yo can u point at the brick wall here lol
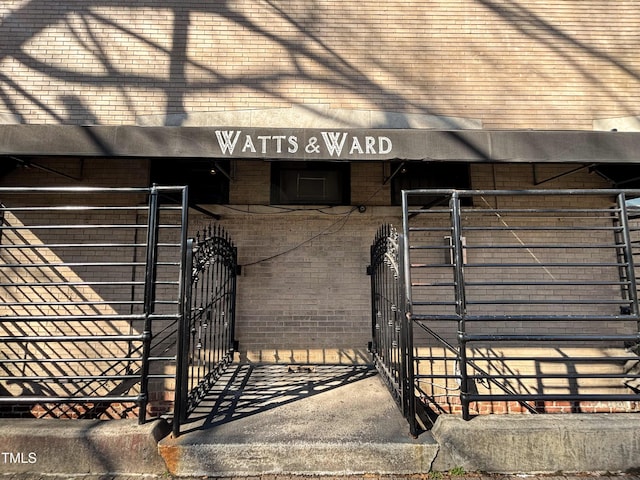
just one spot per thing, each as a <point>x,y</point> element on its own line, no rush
<point>530,64</point>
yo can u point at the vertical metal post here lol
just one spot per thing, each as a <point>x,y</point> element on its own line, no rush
<point>210,315</point>
<point>628,255</point>
<point>460,298</point>
<point>404,265</point>
<point>232,300</point>
<point>371,271</point>
<point>184,334</point>
<point>407,356</point>
<point>406,262</point>
<point>149,297</point>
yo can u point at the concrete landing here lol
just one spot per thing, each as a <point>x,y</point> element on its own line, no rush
<point>266,419</point>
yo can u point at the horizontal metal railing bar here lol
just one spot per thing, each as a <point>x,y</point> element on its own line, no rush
<point>452,358</point>
<point>546,264</point>
<point>605,192</point>
<point>571,359</point>
<point>527,318</point>
<point>468,338</point>
<point>524,283</point>
<point>517,246</point>
<point>582,397</point>
<point>430,229</point>
<point>540,359</point>
<point>438,303</point>
<point>551,301</point>
<point>84,264</point>
<point>515,265</point>
<point>79,284</point>
<point>547,283</point>
<point>544,376</point>
<point>430,210</point>
<point>162,359</point>
<point>73,303</point>
<point>585,246</point>
<point>85,189</point>
<point>39,246</point>
<point>72,226</point>
<point>71,338</point>
<point>73,360</point>
<point>544,228</point>
<point>71,264</point>
<point>554,318</point>
<point>71,399</point>
<point>76,208</point>
<point>69,378</point>
<point>84,317</point>
<point>430,265</point>
<point>76,226</point>
<point>494,211</point>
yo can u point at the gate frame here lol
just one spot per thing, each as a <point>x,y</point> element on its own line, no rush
<point>409,404</point>
<point>148,315</point>
<point>217,245</point>
<point>387,258</point>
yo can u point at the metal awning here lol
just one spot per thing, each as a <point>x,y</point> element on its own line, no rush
<point>528,146</point>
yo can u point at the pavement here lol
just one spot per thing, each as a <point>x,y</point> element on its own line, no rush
<point>320,419</point>
<point>429,476</point>
<point>324,422</point>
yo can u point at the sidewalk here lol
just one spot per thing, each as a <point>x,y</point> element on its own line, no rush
<point>327,423</point>
<point>428,476</point>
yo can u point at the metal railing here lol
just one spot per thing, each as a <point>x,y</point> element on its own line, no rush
<point>523,298</point>
<point>91,290</point>
<point>207,330</point>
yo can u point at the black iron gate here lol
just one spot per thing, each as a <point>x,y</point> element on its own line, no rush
<point>207,342</point>
<point>391,344</point>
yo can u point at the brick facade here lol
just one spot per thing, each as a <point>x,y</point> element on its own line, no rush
<point>533,64</point>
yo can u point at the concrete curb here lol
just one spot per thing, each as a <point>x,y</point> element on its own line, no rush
<point>539,443</point>
<point>81,446</point>
<point>333,459</point>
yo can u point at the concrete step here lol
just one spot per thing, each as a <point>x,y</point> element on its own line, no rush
<point>80,447</point>
<point>274,419</point>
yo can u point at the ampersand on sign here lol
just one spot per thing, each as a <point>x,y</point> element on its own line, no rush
<point>312,146</point>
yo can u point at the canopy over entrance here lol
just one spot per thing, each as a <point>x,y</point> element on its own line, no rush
<point>322,144</point>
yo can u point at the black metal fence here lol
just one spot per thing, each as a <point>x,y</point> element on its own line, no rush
<point>391,341</point>
<point>524,298</point>
<point>207,332</point>
<point>91,289</point>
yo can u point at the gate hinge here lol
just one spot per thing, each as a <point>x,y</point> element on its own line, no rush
<point>369,270</point>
